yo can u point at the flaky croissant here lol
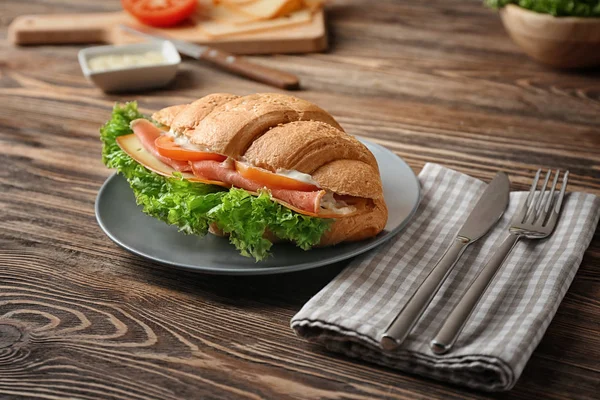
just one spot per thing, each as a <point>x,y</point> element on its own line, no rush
<point>281,132</point>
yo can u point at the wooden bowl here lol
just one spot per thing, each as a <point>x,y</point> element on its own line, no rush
<point>565,42</point>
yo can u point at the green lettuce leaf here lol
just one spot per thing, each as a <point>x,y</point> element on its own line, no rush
<point>558,8</point>
<point>193,206</point>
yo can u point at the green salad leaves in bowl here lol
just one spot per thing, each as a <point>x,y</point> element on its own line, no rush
<point>559,33</point>
<point>557,8</point>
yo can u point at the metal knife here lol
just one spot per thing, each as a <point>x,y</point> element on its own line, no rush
<point>485,214</point>
<point>228,61</point>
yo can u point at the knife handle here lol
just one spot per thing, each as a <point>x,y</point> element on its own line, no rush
<point>447,335</point>
<point>401,326</point>
<point>240,66</point>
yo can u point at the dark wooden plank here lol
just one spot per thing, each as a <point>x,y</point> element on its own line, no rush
<point>434,81</point>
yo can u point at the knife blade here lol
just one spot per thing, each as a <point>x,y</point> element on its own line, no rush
<point>488,209</point>
<point>484,215</point>
<point>228,61</point>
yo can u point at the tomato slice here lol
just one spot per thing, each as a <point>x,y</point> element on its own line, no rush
<point>147,134</point>
<point>167,147</point>
<point>160,13</point>
<point>272,180</point>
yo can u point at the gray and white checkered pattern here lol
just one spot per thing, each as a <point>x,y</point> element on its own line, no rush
<point>350,314</point>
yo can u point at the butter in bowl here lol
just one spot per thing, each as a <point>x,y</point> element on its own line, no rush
<point>131,67</point>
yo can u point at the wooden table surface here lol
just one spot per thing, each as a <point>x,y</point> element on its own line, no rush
<point>435,81</point>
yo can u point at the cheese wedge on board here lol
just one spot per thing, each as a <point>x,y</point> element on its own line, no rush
<point>224,14</point>
<point>234,2</point>
<point>267,9</point>
<point>313,4</point>
<point>218,29</point>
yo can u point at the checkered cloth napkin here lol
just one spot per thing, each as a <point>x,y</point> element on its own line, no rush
<point>351,313</point>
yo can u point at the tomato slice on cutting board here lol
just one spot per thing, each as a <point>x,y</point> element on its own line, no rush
<point>272,180</point>
<point>166,146</point>
<point>161,13</point>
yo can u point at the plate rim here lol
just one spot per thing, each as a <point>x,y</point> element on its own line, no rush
<point>265,270</point>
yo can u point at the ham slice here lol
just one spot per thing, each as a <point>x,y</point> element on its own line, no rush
<point>147,133</point>
<point>216,171</point>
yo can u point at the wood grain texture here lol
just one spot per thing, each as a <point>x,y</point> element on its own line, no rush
<point>435,81</point>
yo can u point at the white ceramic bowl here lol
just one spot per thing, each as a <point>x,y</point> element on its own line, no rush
<point>134,77</point>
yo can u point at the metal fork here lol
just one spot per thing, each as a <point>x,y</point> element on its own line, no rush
<point>535,220</point>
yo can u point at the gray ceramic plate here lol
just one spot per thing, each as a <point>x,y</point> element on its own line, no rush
<point>123,221</point>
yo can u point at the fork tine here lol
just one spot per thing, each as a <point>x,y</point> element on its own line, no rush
<point>533,187</point>
<point>538,201</point>
<point>529,199</point>
<point>561,196</point>
<point>543,218</point>
<point>555,212</point>
<point>543,201</point>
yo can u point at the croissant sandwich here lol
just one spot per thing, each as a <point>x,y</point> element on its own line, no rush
<point>259,169</point>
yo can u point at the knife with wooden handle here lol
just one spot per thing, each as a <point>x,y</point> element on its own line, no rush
<point>230,62</point>
<point>485,214</point>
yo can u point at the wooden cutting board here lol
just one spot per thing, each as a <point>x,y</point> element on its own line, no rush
<point>103,28</point>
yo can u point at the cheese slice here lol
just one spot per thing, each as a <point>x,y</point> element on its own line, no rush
<point>313,4</point>
<point>218,29</point>
<point>290,6</point>
<point>236,2</point>
<point>267,9</point>
<point>131,145</point>
<point>203,11</point>
<point>222,13</point>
